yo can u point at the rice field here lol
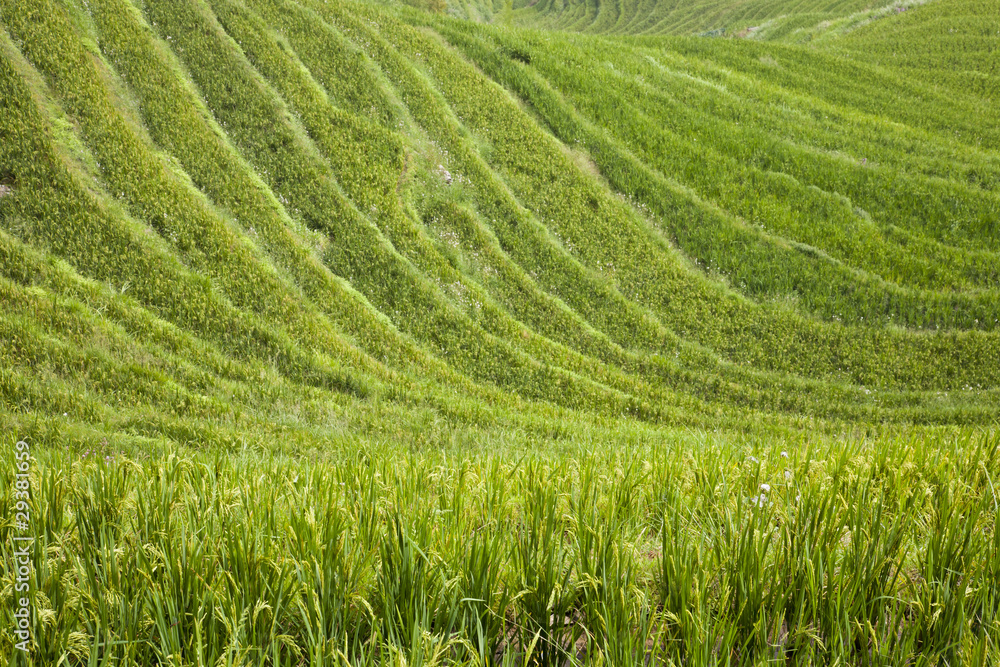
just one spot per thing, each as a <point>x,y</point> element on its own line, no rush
<point>468,333</point>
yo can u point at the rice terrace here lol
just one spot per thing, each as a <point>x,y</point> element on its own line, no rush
<point>499,332</point>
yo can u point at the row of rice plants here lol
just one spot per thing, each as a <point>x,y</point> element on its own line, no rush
<point>167,103</point>
<point>659,18</point>
<point>183,400</point>
<point>409,91</point>
<point>712,388</point>
<point>134,67</point>
<point>51,209</point>
<point>769,268</point>
<point>173,400</point>
<point>950,46</point>
<point>606,231</point>
<point>421,102</point>
<point>30,268</point>
<point>358,250</point>
<point>848,552</point>
<point>961,115</point>
<point>408,238</point>
<point>662,120</point>
<point>958,156</point>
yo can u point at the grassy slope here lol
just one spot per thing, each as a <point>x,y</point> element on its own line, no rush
<point>758,18</point>
<point>305,227</point>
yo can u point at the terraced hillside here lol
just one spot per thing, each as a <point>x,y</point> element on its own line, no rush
<point>334,244</point>
<point>770,19</point>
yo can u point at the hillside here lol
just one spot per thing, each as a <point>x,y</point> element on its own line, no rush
<point>345,240</point>
<point>703,17</point>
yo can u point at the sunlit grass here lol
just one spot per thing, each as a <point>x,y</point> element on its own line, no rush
<point>843,551</point>
<point>352,334</point>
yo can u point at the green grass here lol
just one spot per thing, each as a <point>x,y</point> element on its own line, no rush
<point>426,333</point>
<point>855,553</point>
<point>710,18</point>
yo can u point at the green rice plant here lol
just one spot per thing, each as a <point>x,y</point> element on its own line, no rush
<point>408,581</point>
<point>949,554</point>
<point>329,568</point>
<point>866,618</point>
<point>113,605</point>
<point>809,550</point>
<point>547,631</point>
<point>112,598</point>
<point>54,596</point>
<point>984,609</point>
<point>744,539</point>
<point>617,616</point>
<point>684,578</point>
<point>484,596</point>
<point>258,592</point>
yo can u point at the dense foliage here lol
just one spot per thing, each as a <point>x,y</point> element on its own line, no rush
<point>363,333</point>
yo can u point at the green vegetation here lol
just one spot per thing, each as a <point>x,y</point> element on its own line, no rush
<point>365,333</point>
<point>708,552</point>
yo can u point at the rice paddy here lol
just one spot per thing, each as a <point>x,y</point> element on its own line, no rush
<point>352,333</point>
